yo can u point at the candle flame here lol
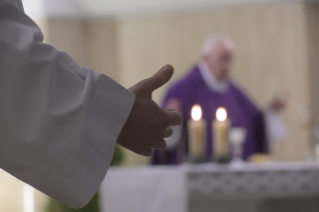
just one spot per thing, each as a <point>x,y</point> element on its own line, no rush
<point>221,114</point>
<point>196,113</point>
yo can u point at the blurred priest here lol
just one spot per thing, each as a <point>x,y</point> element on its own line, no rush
<point>209,85</point>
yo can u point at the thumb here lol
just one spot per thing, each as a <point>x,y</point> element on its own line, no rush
<point>158,79</point>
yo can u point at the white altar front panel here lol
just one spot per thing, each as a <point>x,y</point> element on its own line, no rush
<point>144,189</point>
<point>200,187</point>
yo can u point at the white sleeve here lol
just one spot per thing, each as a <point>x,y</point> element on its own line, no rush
<point>275,127</point>
<point>58,122</point>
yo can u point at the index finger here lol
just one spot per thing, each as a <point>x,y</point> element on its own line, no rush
<point>175,118</point>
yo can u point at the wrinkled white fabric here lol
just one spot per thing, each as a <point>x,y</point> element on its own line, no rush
<point>59,122</point>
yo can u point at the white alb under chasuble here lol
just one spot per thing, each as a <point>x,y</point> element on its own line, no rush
<point>59,122</point>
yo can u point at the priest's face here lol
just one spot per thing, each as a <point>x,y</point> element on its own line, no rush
<point>219,60</point>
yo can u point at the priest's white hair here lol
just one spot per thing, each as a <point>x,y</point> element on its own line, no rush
<point>212,40</point>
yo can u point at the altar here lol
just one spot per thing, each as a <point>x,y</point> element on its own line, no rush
<point>272,186</point>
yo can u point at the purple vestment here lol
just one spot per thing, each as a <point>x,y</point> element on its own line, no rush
<point>191,90</point>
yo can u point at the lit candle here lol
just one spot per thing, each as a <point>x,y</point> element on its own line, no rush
<point>196,133</point>
<point>221,144</point>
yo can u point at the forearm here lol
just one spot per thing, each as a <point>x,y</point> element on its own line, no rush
<point>58,121</point>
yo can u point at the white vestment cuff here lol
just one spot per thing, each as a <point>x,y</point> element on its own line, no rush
<point>80,176</point>
<point>275,127</point>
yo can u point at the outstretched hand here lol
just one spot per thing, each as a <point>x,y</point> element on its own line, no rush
<point>279,103</point>
<point>148,124</point>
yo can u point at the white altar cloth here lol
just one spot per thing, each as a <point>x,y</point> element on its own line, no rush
<point>172,188</point>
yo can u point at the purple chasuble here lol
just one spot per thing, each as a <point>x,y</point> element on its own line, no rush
<point>191,90</point>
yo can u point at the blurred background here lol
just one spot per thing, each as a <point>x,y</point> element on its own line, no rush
<point>277,45</point>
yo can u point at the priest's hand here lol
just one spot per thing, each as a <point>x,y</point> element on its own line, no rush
<point>148,124</point>
<point>279,103</point>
